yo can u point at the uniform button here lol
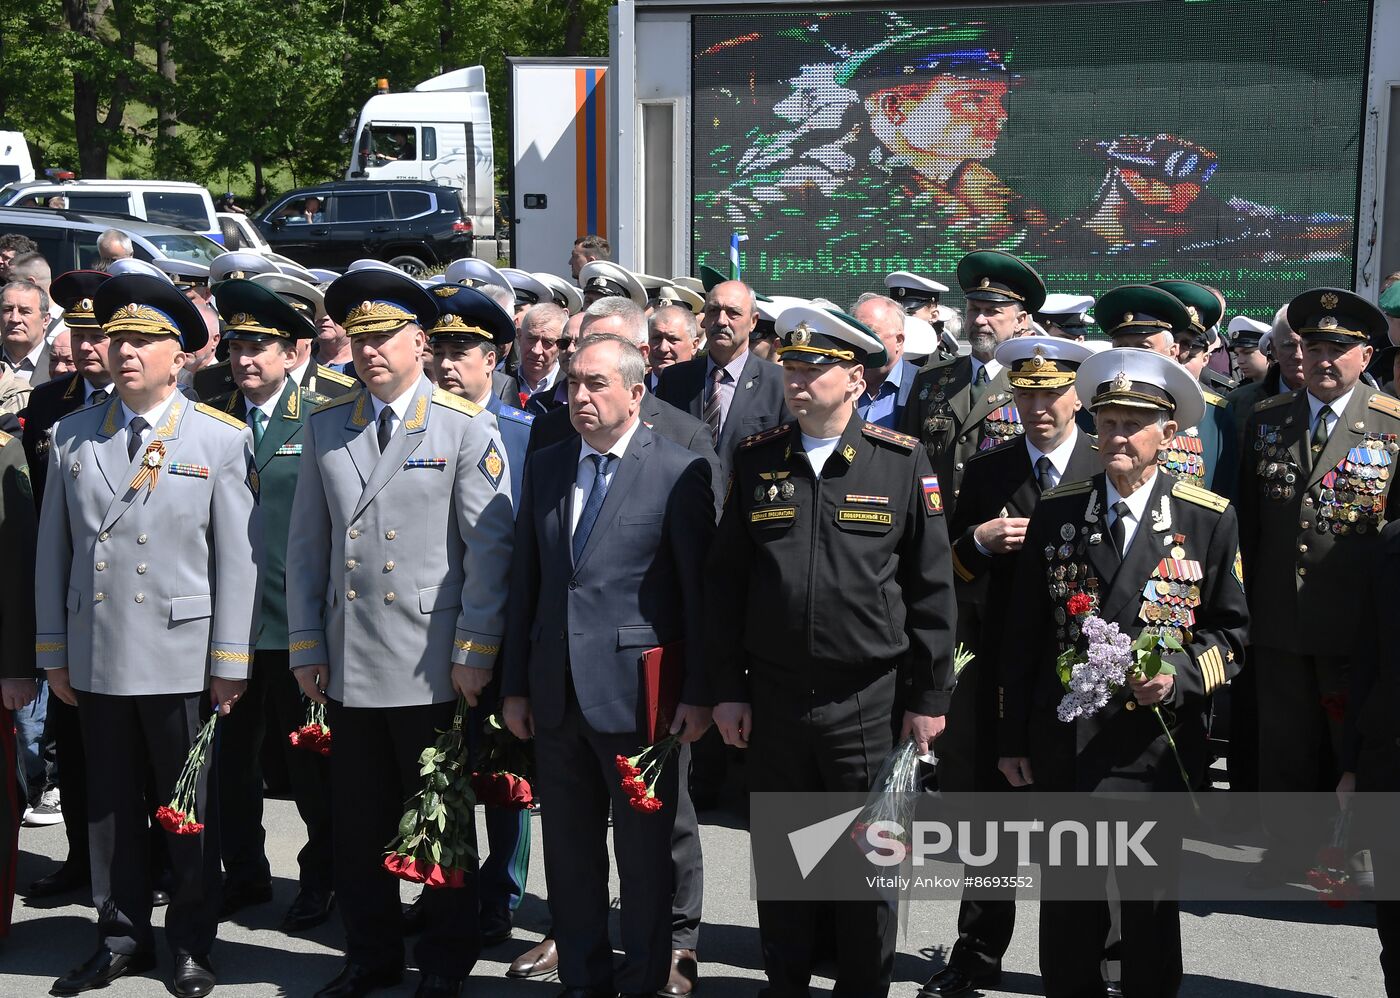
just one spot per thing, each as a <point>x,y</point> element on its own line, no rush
<point>350,594</point>
<point>1130,705</point>
<point>962,439</point>
<point>101,566</point>
<point>388,566</point>
<point>140,597</point>
<point>389,597</point>
<point>350,564</point>
<point>1302,549</point>
<point>573,583</point>
<point>958,466</point>
<point>1304,524</point>
<point>1307,500</point>
<point>103,536</point>
<point>354,532</point>
<point>1302,570</point>
<point>98,597</point>
<point>141,539</point>
<point>141,569</point>
<point>389,535</point>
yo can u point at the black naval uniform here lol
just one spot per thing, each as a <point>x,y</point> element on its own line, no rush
<point>1188,533</point>
<point>844,621</point>
<point>999,482</point>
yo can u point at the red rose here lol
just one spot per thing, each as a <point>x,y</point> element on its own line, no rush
<point>1079,603</point>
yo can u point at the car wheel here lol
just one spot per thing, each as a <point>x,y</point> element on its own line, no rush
<point>410,265</point>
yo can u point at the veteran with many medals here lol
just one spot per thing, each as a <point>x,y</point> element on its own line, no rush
<point>1137,548</point>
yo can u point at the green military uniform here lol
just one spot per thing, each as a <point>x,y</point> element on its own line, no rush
<point>947,411</point>
<point>1312,505</point>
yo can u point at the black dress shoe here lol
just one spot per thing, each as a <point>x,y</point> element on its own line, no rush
<point>101,969</point>
<point>194,976</point>
<point>433,986</point>
<point>353,981</point>
<point>495,928</point>
<point>310,909</point>
<point>160,898</point>
<point>240,896</point>
<point>414,917</point>
<point>951,981</point>
<point>1113,989</point>
<point>539,960</point>
<point>67,878</point>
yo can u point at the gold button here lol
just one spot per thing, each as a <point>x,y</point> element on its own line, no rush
<point>389,535</point>
<point>98,597</point>
<point>354,532</point>
<point>101,566</point>
<point>1130,705</point>
<point>1304,524</point>
<point>389,597</point>
<point>141,569</point>
<point>350,594</point>
<point>1302,570</point>
<point>140,597</point>
<point>141,539</point>
<point>1307,501</point>
<point>350,564</point>
<point>1358,425</point>
<point>1302,549</point>
<point>103,536</point>
<point>388,566</point>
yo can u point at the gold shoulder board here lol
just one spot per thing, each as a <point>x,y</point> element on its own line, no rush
<point>314,399</point>
<point>900,440</point>
<point>1200,496</point>
<point>758,438</point>
<point>331,374</point>
<point>455,402</point>
<point>1385,404</point>
<point>1070,489</point>
<point>345,399</point>
<point>1274,400</point>
<point>220,415</point>
<point>1214,399</point>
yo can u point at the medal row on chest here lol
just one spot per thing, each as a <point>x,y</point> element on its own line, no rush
<point>1183,457</point>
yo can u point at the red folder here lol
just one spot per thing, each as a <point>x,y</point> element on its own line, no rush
<point>662,671</point>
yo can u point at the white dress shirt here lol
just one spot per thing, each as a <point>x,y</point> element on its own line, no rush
<point>1337,406</point>
<point>1137,508</point>
<point>153,416</point>
<point>399,408</point>
<point>583,477</point>
<point>1059,457</point>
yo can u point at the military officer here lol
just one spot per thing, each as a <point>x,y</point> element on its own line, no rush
<point>1066,316</point>
<point>263,331</point>
<point>917,295</point>
<point>1152,317</point>
<point>1001,489</point>
<point>962,405</point>
<point>1313,496</point>
<point>1145,550</point>
<point>147,592</point>
<point>396,582</point>
<point>832,528</point>
<point>1248,356</point>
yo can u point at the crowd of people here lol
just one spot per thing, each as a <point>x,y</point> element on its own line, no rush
<point>253,490</point>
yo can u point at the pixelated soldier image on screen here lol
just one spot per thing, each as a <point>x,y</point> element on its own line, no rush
<point>1104,142</point>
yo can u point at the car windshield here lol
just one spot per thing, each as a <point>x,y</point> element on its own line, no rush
<point>180,247</point>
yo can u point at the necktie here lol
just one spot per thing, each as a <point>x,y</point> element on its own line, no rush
<point>386,428</point>
<point>99,397</point>
<point>1119,529</point>
<point>713,409</point>
<point>259,427</point>
<point>134,429</point>
<point>979,383</point>
<point>1319,433</point>
<point>593,504</point>
<point>1042,474</point>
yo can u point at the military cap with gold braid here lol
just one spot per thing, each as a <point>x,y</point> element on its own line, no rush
<point>1203,308</point>
<point>254,312</point>
<point>149,306</point>
<point>1141,310</point>
<point>1336,316</point>
<point>74,291</point>
<point>1041,362</point>
<point>1141,379</point>
<point>812,335</point>
<point>467,316</point>
<point>1000,278</point>
<point>377,301</point>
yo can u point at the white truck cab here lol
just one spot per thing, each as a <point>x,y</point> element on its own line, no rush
<point>15,165</point>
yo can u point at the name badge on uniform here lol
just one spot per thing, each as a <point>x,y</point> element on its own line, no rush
<point>773,516</point>
<point>933,496</point>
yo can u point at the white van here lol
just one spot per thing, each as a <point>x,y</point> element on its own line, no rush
<point>167,202</point>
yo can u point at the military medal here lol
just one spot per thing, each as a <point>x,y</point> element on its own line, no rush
<point>151,462</point>
<point>1066,531</point>
<point>787,490</point>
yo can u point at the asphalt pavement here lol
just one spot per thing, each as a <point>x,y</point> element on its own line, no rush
<point>1260,949</point>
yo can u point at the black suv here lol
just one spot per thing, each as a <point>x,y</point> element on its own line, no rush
<point>408,223</point>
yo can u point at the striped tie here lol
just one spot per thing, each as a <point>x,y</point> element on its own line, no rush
<point>713,411</point>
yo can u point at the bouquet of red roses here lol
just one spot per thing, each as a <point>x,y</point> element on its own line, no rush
<point>639,773</point>
<point>315,734</point>
<point>434,846</point>
<point>178,817</point>
<point>503,768</point>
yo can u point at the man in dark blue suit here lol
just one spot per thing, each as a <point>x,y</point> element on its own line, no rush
<point>612,533</point>
<point>887,387</point>
<point>730,389</point>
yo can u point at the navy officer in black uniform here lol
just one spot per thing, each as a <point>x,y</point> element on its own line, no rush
<point>832,555</point>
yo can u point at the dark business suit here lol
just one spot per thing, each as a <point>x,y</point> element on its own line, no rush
<point>757,404</point>
<point>574,635</point>
<point>505,387</point>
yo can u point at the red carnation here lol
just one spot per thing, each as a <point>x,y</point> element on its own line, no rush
<point>645,804</point>
<point>625,767</point>
<point>190,828</point>
<point>169,818</point>
<point>524,397</point>
<point>1079,603</point>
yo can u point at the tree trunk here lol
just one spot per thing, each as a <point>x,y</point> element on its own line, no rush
<point>259,186</point>
<point>167,150</point>
<point>94,136</point>
<point>573,27</point>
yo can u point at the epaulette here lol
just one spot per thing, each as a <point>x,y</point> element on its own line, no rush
<point>5,439</point>
<point>937,361</point>
<point>1213,399</point>
<point>1274,400</point>
<point>451,401</point>
<point>220,415</point>
<point>1070,489</point>
<point>314,399</point>
<point>903,441</point>
<point>515,415</point>
<point>758,438</point>
<point>1199,496</point>
<point>345,399</point>
<point>1385,404</point>
<point>331,374</point>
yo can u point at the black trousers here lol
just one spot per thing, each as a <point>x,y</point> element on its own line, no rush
<point>131,740</point>
<point>687,863</point>
<point>62,730</point>
<point>830,738</point>
<point>272,707</point>
<point>374,770</point>
<point>578,784</point>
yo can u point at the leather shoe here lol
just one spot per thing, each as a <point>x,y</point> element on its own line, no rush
<point>310,909</point>
<point>433,986</point>
<point>194,976</point>
<point>159,898</point>
<point>414,917</point>
<point>684,973</point>
<point>495,928</point>
<point>540,960</point>
<point>239,896</point>
<point>68,877</point>
<point>101,969</point>
<point>951,981</point>
<point>1113,989</point>
<point>354,981</point>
